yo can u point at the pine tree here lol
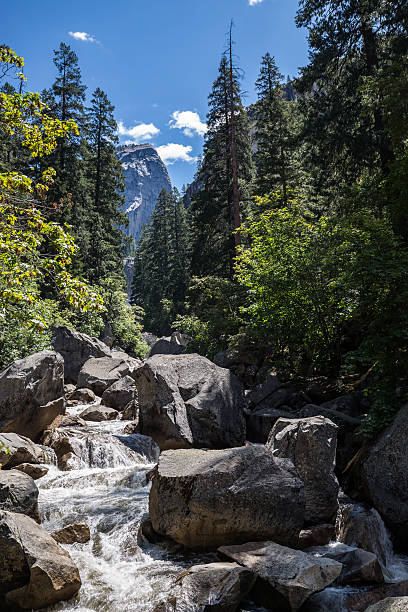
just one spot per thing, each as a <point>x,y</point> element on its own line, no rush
<point>66,101</point>
<point>105,180</point>
<point>273,133</point>
<point>160,275</point>
<point>212,210</point>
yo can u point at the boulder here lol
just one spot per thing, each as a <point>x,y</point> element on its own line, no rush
<point>67,420</point>
<point>149,338</point>
<point>260,421</point>
<point>173,345</point>
<point>385,476</point>
<point>32,394</point>
<point>286,577</point>
<point>359,566</point>
<point>81,396</point>
<point>35,572</point>
<point>311,446</point>
<point>77,532</point>
<point>264,391</point>
<point>357,525</point>
<point>355,599</point>
<point>22,450</point>
<point>214,586</point>
<point>316,535</point>
<point>35,471</point>
<point>390,604</point>
<point>204,499</point>
<point>119,394</point>
<point>76,349</point>
<point>99,413</point>
<point>100,373</point>
<point>187,401</point>
<point>19,493</point>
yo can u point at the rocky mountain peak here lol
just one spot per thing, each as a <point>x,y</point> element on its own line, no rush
<point>145,176</point>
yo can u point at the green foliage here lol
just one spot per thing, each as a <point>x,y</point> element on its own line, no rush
<point>213,306</point>
<point>308,278</point>
<point>161,264</point>
<point>211,209</point>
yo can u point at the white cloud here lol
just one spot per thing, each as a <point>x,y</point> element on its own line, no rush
<point>84,36</point>
<point>140,133</point>
<point>172,152</point>
<point>253,2</point>
<point>189,122</point>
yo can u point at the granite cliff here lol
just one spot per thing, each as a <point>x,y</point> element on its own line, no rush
<point>145,176</point>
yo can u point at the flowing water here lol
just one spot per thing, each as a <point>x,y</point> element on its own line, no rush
<point>110,493</point>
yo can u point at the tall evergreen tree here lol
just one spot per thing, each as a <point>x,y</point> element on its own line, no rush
<point>274,123</point>
<point>105,180</point>
<point>66,101</point>
<point>227,143</point>
<point>349,42</point>
<point>160,275</point>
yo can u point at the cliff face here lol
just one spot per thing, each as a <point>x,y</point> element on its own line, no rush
<point>145,176</point>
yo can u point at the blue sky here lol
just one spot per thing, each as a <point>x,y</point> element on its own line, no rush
<point>155,59</point>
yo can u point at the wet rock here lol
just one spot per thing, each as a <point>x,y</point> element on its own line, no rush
<point>35,471</point>
<point>355,599</point>
<point>391,604</point>
<point>130,412</point>
<point>19,493</point>
<point>362,527</point>
<point>100,373</point>
<point>214,586</point>
<point>76,349</point>
<point>316,535</point>
<point>203,499</point>
<point>99,413</point>
<point>35,572</point>
<point>385,475</point>
<point>119,394</point>
<point>83,448</point>
<point>32,394</point>
<point>187,401</point>
<point>359,566</point>
<point>310,444</point>
<point>286,577</point>
<point>81,396</point>
<point>132,427</point>
<point>77,532</point>
<point>22,450</point>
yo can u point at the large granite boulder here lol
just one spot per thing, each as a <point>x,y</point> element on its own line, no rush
<point>99,373</point>
<point>99,413</point>
<point>35,572</point>
<point>354,599</point>
<point>390,604</point>
<point>214,586</point>
<point>32,394</point>
<point>359,566</point>
<point>35,471</point>
<point>80,396</point>
<point>357,525</point>
<point>172,345</point>
<point>76,349</point>
<point>385,476</point>
<point>77,532</point>
<point>19,493</point>
<point>286,577</point>
<point>187,401</point>
<point>21,450</point>
<point>204,499</point>
<point>311,446</point>
<point>119,394</point>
